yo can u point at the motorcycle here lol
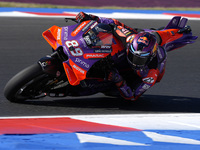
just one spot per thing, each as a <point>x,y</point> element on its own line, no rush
<point>77,66</point>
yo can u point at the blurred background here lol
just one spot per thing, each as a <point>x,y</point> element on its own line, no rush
<point>105,3</point>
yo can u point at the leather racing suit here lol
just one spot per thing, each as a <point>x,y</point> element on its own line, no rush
<point>137,81</point>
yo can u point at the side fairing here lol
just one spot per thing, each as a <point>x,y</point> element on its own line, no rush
<point>81,57</point>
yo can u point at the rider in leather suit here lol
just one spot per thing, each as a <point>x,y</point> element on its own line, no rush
<point>145,52</point>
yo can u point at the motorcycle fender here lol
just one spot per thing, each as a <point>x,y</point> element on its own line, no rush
<point>50,65</point>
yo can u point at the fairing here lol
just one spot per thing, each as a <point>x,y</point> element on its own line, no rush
<point>81,56</point>
<point>53,36</point>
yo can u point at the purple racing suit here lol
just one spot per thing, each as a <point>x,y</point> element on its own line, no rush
<point>146,77</point>
<point>136,81</point>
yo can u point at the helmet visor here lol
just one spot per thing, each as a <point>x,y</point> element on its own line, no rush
<point>137,59</point>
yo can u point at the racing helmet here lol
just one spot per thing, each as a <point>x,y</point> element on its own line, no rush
<point>141,50</point>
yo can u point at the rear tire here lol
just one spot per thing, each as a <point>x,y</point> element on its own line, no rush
<point>22,78</point>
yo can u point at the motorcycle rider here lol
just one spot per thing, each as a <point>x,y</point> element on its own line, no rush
<point>145,52</point>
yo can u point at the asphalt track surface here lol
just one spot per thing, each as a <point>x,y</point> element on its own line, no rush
<point>22,44</point>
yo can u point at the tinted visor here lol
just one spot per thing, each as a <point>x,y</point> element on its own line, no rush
<point>136,60</point>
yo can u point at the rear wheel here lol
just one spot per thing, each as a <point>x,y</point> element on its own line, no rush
<point>27,84</point>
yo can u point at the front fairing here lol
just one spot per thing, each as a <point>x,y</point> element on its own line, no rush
<point>81,57</point>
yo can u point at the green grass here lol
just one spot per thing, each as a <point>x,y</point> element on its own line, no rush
<point>32,5</point>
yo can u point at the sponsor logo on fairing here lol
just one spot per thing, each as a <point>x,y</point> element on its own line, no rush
<point>86,65</point>
<point>66,34</point>
<point>88,25</point>
<point>103,51</point>
<point>78,29</point>
<point>45,63</point>
<point>66,28</point>
<point>78,69</point>
<point>106,47</point>
<point>94,56</point>
<point>58,34</point>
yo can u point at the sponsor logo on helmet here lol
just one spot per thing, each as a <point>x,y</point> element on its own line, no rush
<point>143,40</point>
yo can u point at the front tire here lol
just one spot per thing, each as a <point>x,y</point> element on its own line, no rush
<point>13,90</point>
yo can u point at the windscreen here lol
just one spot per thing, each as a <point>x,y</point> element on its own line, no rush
<point>98,36</point>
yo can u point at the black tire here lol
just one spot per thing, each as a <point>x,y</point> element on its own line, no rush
<point>19,80</point>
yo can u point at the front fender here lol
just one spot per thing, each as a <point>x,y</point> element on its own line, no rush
<point>51,65</point>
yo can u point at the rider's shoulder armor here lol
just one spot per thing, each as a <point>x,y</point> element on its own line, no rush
<point>161,54</point>
<point>159,59</point>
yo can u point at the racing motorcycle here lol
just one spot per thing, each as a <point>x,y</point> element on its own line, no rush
<point>77,66</point>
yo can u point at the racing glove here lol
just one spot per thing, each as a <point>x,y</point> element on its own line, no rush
<point>115,77</point>
<point>80,17</point>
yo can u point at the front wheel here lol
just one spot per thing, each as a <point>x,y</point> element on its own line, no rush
<point>27,84</point>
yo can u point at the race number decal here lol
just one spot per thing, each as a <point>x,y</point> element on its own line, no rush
<point>73,43</point>
<point>77,52</point>
<point>74,48</point>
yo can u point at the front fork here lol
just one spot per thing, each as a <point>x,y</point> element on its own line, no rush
<point>52,66</point>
